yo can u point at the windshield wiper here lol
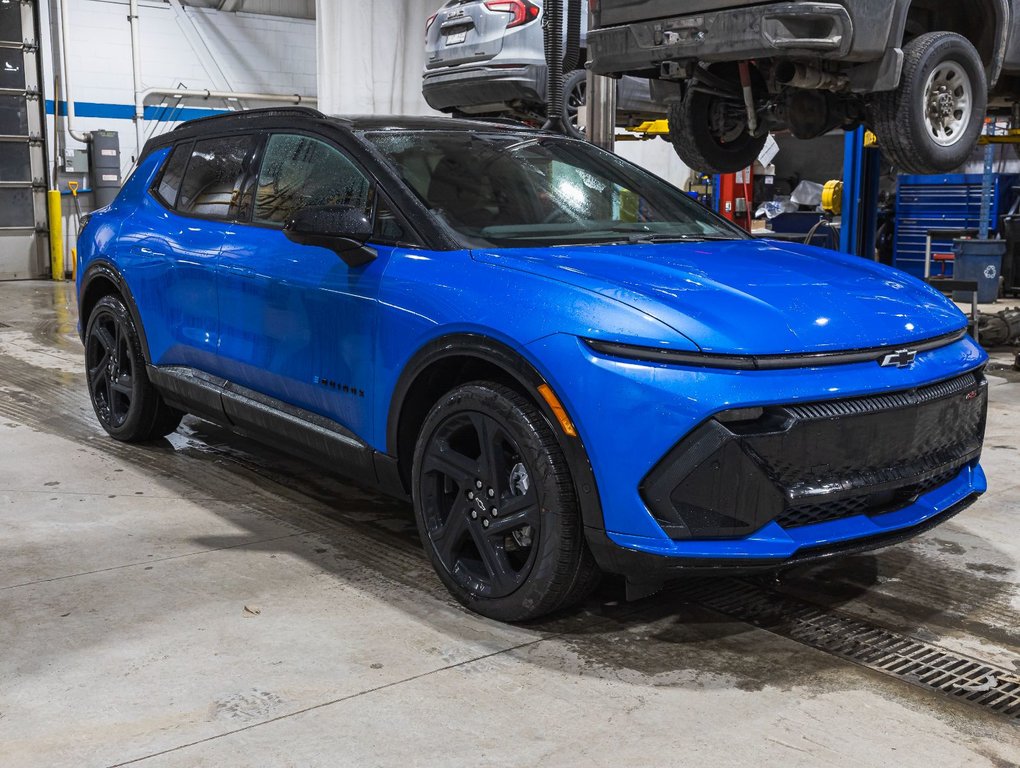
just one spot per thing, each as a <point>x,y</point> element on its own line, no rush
<point>649,237</point>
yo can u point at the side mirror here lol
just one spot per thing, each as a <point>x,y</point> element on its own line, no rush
<point>341,228</point>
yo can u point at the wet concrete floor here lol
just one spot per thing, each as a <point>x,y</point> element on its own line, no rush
<point>204,601</point>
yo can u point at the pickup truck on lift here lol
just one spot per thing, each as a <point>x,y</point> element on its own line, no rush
<point>922,74</point>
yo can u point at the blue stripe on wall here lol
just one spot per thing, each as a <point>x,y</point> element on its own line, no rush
<point>127,111</point>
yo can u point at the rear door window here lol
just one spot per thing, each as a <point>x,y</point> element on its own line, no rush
<point>299,171</point>
<point>212,183</point>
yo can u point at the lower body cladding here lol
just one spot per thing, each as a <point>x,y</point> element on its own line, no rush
<point>773,468</point>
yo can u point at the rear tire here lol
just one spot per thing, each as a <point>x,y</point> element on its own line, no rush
<point>127,405</point>
<point>495,506</point>
<point>575,96</point>
<point>695,134</point>
<point>931,123</point>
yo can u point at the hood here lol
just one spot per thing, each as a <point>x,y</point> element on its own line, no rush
<point>754,297</point>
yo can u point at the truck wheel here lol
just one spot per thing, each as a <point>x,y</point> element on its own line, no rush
<point>709,132</point>
<point>495,506</point>
<point>931,123</point>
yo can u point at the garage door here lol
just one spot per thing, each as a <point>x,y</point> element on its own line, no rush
<point>22,159</point>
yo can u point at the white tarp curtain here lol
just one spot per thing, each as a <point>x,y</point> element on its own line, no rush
<point>370,55</point>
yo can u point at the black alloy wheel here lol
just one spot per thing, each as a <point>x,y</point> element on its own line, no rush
<point>496,508</point>
<point>110,368</point>
<point>127,405</point>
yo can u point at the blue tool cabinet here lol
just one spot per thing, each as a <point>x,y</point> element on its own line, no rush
<point>941,202</point>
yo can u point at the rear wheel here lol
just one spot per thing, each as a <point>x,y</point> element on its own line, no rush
<point>710,132</point>
<point>932,121</point>
<point>575,96</point>
<point>495,506</point>
<point>127,405</point>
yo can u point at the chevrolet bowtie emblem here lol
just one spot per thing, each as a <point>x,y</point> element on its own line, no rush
<point>904,358</point>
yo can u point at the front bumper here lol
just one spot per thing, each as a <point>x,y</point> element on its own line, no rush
<point>763,31</point>
<point>642,567</point>
<point>466,87</point>
<point>664,405</point>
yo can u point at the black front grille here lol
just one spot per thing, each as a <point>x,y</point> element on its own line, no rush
<point>805,464</point>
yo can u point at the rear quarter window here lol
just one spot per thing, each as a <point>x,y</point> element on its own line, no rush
<point>170,180</point>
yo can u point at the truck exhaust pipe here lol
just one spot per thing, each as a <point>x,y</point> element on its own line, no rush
<point>810,78</point>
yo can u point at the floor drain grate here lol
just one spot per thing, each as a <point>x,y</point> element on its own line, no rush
<point>928,666</point>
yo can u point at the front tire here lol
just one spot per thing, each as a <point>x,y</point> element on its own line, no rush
<point>495,506</point>
<point>931,123</point>
<point>127,405</point>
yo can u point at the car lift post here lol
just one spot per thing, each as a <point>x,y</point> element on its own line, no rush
<point>862,168</point>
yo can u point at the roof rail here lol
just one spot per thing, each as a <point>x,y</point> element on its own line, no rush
<point>251,114</point>
<point>238,118</point>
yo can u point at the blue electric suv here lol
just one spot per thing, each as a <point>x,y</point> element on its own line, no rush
<point>569,366</point>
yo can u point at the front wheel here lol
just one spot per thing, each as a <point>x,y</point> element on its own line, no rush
<point>495,505</point>
<point>931,123</point>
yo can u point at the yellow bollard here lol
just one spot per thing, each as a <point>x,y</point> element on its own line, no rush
<point>56,214</point>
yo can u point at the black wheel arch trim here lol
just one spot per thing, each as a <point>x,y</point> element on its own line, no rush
<point>106,270</point>
<point>496,353</point>
<point>1002,23</point>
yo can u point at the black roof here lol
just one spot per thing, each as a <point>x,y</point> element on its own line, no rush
<point>275,117</point>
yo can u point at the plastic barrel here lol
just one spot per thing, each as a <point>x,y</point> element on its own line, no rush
<point>979,260</point>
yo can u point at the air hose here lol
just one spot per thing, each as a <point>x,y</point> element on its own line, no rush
<point>572,56</point>
<point>552,28</point>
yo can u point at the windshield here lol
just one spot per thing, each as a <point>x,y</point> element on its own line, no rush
<point>505,190</point>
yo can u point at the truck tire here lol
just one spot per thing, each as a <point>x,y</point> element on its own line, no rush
<point>931,123</point>
<point>704,148</point>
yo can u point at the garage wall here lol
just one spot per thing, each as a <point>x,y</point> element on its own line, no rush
<point>253,53</point>
<point>246,52</point>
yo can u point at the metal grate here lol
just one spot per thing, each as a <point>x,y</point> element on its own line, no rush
<point>994,689</point>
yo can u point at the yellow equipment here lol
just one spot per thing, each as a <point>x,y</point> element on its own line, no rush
<point>56,216</point>
<point>832,197</point>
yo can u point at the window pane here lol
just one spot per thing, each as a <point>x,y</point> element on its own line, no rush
<point>10,21</point>
<point>16,207</point>
<point>12,68</point>
<point>298,172</point>
<point>212,184</point>
<point>13,116</point>
<point>170,182</point>
<point>15,161</point>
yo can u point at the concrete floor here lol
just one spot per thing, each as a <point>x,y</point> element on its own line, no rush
<point>206,602</point>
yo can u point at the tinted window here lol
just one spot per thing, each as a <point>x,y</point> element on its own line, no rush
<point>212,182</point>
<point>500,189</point>
<point>170,181</point>
<point>299,171</point>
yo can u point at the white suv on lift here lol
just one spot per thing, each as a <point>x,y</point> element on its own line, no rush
<point>487,57</point>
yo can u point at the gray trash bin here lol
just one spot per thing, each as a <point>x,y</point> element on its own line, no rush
<point>979,260</point>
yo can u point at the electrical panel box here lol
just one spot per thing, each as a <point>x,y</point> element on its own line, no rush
<point>76,161</point>
<point>105,166</point>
